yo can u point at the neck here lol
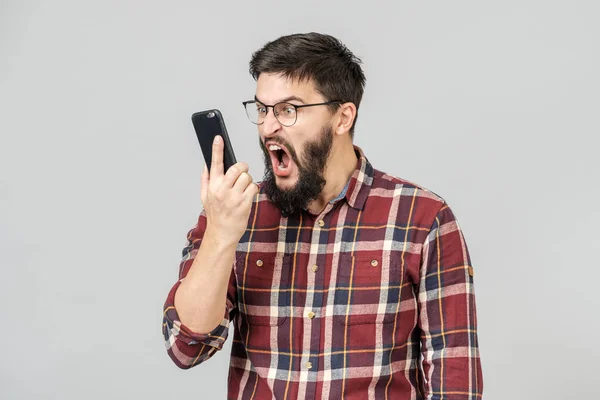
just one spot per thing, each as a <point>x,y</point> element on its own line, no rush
<point>340,167</point>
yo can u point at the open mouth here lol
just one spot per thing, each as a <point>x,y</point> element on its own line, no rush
<point>280,158</point>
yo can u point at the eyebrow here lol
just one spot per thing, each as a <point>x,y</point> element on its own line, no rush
<point>284,100</point>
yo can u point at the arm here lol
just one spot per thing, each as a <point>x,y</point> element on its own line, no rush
<point>202,302</point>
<point>195,323</point>
<point>447,314</point>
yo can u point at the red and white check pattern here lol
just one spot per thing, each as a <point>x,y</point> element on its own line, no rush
<point>371,299</point>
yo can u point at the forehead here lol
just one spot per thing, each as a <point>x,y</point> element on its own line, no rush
<point>272,88</point>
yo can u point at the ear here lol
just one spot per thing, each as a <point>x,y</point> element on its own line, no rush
<point>347,115</point>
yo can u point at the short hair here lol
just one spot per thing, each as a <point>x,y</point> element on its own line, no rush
<point>323,59</point>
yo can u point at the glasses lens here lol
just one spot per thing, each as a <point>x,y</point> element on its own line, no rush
<point>254,110</point>
<point>285,113</point>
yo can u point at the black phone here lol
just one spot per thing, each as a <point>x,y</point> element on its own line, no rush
<point>207,125</point>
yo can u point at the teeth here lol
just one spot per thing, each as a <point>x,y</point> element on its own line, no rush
<point>274,147</point>
<point>282,167</point>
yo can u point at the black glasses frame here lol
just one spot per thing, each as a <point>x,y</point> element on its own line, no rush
<point>296,107</point>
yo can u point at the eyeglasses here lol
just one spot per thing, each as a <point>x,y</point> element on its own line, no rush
<point>285,113</point>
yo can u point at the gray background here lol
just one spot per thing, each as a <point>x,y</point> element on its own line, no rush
<point>493,106</point>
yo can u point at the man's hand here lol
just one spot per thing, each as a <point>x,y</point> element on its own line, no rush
<point>226,197</point>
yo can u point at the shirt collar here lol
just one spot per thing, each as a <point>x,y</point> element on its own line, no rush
<point>358,186</point>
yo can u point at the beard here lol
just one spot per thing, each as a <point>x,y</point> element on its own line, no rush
<point>310,181</point>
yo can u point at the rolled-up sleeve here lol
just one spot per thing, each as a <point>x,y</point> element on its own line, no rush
<point>447,314</point>
<point>185,347</point>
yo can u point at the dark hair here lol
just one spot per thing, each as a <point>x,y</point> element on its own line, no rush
<point>325,60</point>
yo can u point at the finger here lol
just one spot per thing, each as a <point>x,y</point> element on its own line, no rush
<point>216,164</point>
<point>251,190</point>
<point>234,172</point>
<point>204,184</point>
<point>242,182</point>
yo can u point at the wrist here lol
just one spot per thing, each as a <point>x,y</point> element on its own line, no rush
<point>219,242</point>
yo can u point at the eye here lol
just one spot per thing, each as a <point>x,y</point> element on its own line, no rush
<point>261,109</point>
<point>288,110</point>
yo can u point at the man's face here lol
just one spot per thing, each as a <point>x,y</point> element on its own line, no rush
<point>295,156</point>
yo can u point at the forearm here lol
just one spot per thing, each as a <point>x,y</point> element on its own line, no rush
<point>200,300</point>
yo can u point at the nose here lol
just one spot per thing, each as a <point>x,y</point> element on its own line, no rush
<point>270,125</point>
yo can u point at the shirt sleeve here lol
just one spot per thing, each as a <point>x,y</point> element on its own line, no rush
<point>185,347</point>
<point>447,315</point>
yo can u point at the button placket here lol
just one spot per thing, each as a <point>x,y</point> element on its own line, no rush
<point>315,324</point>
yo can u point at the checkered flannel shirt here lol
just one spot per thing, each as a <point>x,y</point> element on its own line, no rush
<point>371,299</point>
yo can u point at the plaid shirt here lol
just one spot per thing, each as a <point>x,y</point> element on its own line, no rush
<point>371,299</point>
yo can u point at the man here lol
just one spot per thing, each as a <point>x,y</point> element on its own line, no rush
<point>342,281</point>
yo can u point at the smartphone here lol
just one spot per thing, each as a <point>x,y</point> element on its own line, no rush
<point>207,125</point>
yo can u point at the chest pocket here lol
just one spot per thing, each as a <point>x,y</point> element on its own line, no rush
<point>263,289</point>
<point>367,289</point>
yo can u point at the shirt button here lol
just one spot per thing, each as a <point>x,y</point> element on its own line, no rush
<point>259,263</point>
<point>311,315</point>
<point>470,271</point>
<point>374,263</point>
<point>315,268</point>
<point>321,222</point>
<point>308,365</point>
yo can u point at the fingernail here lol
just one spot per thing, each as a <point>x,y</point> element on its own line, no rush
<point>218,139</point>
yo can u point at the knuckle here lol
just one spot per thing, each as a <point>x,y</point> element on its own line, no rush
<point>241,170</point>
<point>233,170</point>
<point>218,195</point>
